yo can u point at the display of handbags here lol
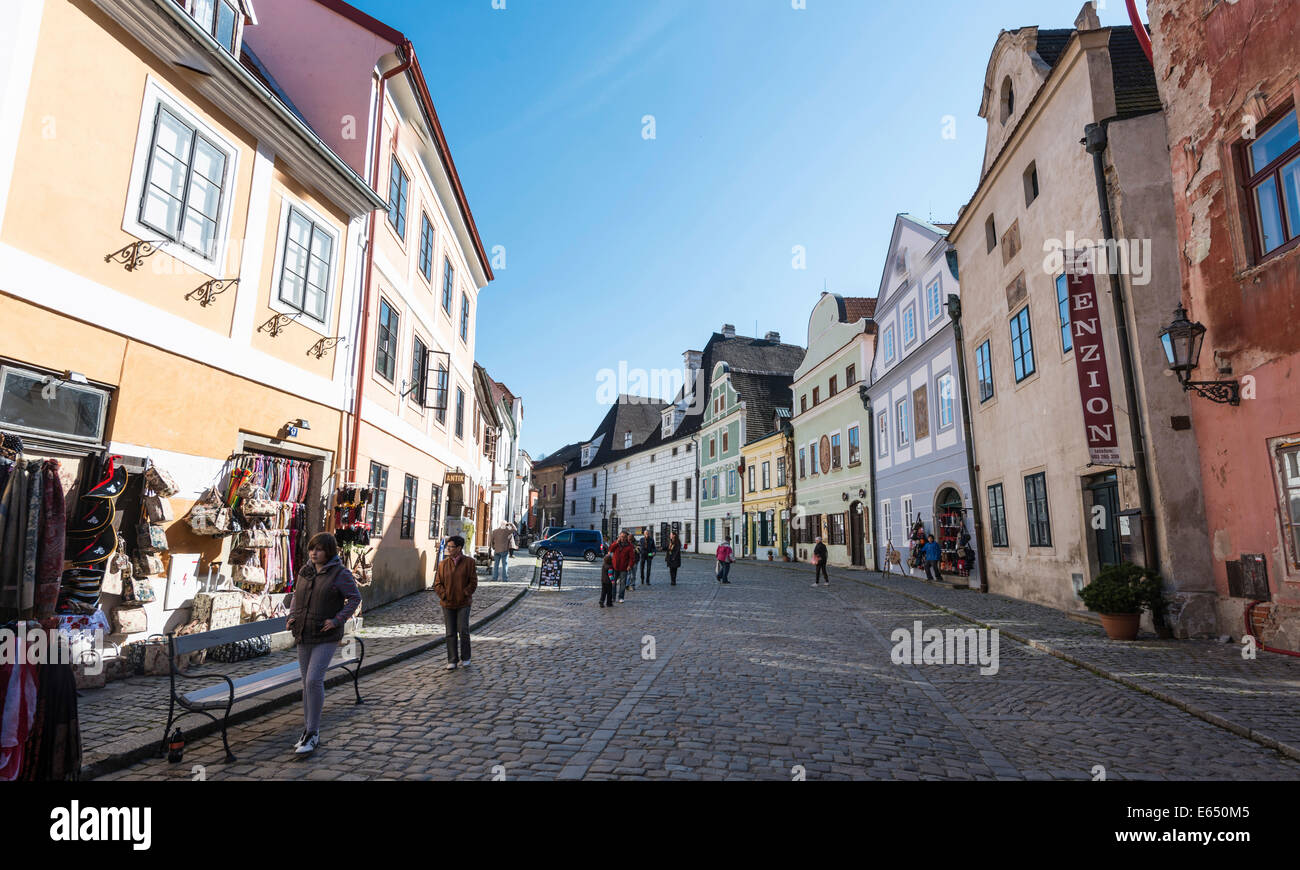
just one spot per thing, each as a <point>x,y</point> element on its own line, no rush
<point>249,575</point>
<point>160,481</point>
<point>150,538</point>
<point>210,520</point>
<point>147,564</point>
<point>158,509</point>
<point>254,539</point>
<point>139,589</point>
<point>129,619</point>
<point>259,508</point>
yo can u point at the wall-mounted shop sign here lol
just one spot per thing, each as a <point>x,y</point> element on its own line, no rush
<point>1094,380</point>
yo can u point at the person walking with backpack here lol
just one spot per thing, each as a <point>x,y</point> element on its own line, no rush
<point>725,556</point>
<point>324,597</point>
<point>820,554</point>
<point>647,553</point>
<point>622,556</point>
<point>673,556</point>
<point>455,582</point>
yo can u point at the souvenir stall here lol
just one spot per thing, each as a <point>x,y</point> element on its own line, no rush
<point>351,525</point>
<point>950,531</point>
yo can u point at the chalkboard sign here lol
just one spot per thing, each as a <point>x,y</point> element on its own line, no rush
<point>550,570</point>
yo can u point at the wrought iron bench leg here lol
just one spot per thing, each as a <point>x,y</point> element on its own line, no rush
<point>225,720</point>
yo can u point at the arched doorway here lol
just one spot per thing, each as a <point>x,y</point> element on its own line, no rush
<point>857,548</point>
<point>950,522</point>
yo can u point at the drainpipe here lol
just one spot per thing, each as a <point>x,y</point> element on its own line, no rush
<point>954,312</point>
<point>695,439</point>
<point>409,53</point>
<point>1095,142</point>
<point>871,446</point>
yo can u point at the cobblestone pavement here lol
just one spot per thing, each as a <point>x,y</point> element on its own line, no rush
<point>763,679</point>
<point>126,712</point>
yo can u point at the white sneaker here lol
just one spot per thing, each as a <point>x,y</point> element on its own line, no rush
<point>302,738</point>
<point>451,666</point>
<point>465,663</point>
<point>308,745</point>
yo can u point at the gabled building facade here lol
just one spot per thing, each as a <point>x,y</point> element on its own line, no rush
<point>548,476</point>
<point>1062,491</point>
<point>921,471</point>
<point>767,501</point>
<point>833,497</point>
<point>593,476</point>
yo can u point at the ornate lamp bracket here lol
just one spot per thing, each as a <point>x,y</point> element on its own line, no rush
<point>1219,392</point>
<point>205,293</point>
<point>325,345</point>
<point>135,253</point>
<point>277,323</point>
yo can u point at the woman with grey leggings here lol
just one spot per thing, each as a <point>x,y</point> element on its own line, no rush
<point>324,596</point>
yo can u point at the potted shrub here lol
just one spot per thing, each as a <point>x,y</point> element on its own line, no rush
<point>1118,596</point>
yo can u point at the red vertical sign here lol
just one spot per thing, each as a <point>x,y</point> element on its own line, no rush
<point>1094,380</point>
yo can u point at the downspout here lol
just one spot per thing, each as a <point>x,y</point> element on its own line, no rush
<point>695,439</point>
<point>871,447</point>
<point>409,52</point>
<point>954,312</point>
<point>1095,141</point>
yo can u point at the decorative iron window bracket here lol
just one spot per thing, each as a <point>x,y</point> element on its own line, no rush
<point>134,254</point>
<point>205,293</point>
<point>277,323</point>
<point>1220,392</point>
<point>325,345</point>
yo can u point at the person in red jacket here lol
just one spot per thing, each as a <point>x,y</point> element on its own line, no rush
<point>622,555</point>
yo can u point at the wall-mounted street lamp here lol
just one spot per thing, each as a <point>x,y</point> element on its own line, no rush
<point>1182,341</point>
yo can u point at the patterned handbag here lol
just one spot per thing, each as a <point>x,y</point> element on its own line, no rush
<point>250,575</point>
<point>141,590</point>
<point>210,520</point>
<point>160,481</point>
<point>259,508</point>
<point>129,619</point>
<point>158,509</point>
<point>150,538</point>
<point>147,564</point>
<point>254,539</point>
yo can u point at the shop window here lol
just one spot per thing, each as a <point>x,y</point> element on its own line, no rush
<point>375,512</point>
<point>46,406</point>
<point>855,451</point>
<point>984,371</point>
<point>1022,345</point>
<point>1063,311</point>
<point>398,187</point>
<point>426,247</point>
<point>836,522</point>
<point>386,345</point>
<point>410,495</point>
<point>181,188</point>
<point>460,413</point>
<point>435,510</point>
<point>448,281</point>
<point>997,516</point>
<point>306,263</point>
<point>1040,526</point>
<point>1272,168</point>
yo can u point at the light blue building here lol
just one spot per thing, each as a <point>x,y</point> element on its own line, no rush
<point>918,446</point>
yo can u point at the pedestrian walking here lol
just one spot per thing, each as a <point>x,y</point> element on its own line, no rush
<point>647,554</point>
<point>623,557</point>
<point>820,554</point>
<point>324,596</point>
<point>503,544</point>
<point>931,552</point>
<point>455,582</point>
<point>725,556</point>
<point>673,556</point>
<point>607,581</point>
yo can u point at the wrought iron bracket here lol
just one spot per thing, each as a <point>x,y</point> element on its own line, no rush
<point>277,323</point>
<point>325,345</point>
<point>1219,392</point>
<point>134,254</point>
<point>205,293</point>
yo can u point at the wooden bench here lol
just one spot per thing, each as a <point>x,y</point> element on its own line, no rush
<point>222,696</point>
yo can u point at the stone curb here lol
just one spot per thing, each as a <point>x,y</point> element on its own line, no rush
<point>132,750</point>
<point>1214,718</point>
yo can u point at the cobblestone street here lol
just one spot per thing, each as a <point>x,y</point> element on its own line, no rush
<point>763,679</point>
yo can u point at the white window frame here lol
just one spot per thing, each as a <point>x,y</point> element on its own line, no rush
<point>939,405</point>
<point>319,327</point>
<point>903,420</point>
<point>887,519</point>
<point>155,95</point>
<point>935,299</point>
<point>882,434</point>
<point>906,502</point>
<point>890,351</point>
<point>909,310</point>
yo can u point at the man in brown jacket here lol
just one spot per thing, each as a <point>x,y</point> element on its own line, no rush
<point>455,582</point>
<point>503,544</point>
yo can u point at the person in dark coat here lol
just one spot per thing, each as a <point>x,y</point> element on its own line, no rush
<point>819,557</point>
<point>673,556</point>
<point>646,550</point>
<point>324,597</point>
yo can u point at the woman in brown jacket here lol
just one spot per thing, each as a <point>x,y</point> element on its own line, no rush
<point>324,597</point>
<point>455,582</point>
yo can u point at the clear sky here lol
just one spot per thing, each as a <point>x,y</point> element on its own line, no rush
<point>773,127</point>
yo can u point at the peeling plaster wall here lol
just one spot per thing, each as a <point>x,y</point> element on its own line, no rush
<point>1216,68</point>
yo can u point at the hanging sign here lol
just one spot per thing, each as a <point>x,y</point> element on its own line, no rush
<point>453,477</point>
<point>1094,381</point>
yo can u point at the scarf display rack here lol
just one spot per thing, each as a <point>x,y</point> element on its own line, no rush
<point>33,530</point>
<point>287,482</point>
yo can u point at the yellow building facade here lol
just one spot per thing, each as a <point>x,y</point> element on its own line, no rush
<point>767,497</point>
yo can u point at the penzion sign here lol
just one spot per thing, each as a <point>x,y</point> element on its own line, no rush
<point>1094,380</point>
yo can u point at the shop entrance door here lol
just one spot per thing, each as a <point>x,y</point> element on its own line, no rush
<point>857,552</point>
<point>949,522</point>
<point>1105,523</point>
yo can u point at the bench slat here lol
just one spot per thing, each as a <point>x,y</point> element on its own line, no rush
<point>256,684</point>
<point>208,639</point>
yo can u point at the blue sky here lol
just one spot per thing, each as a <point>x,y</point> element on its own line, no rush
<point>774,127</point>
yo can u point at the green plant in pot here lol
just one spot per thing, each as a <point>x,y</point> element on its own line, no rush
<point>1119,595</point>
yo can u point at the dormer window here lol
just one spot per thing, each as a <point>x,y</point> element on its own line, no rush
<point>1008,99</point>
<point>218,17</point>
<point>627,439</point>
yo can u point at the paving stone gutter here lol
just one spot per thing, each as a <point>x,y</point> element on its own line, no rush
<point>136,747</point>
<point>939,595</point>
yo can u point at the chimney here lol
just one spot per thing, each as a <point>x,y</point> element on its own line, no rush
<point>1087,19</point>
<point>773,336</point>
<point>728,330</point>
